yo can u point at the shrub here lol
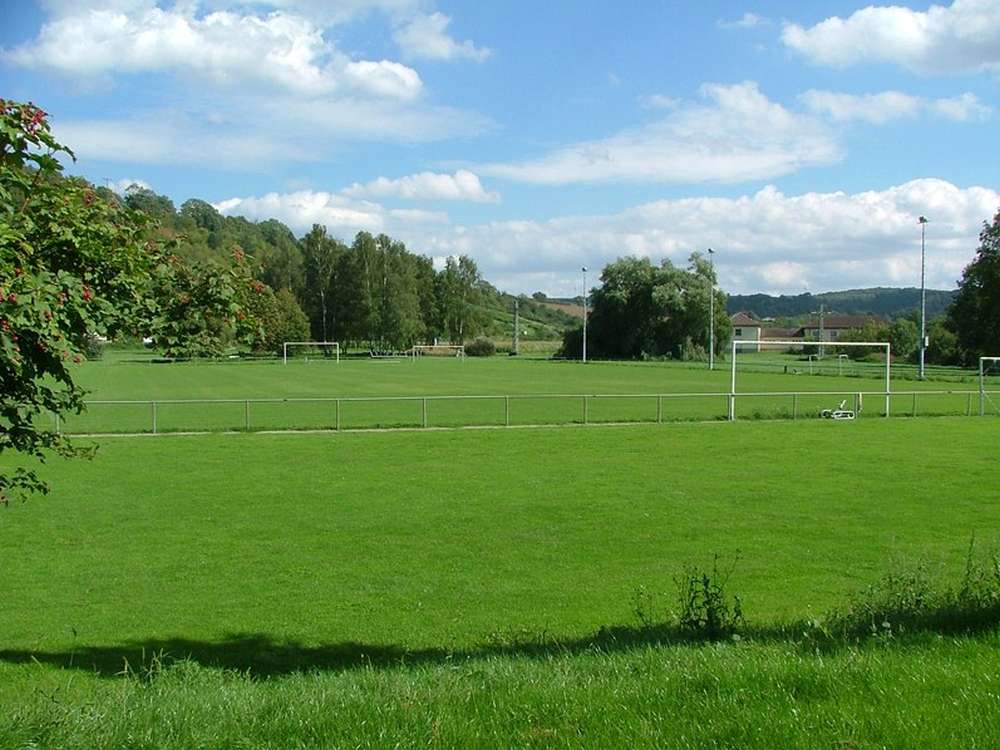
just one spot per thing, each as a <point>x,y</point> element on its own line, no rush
<point>481,348</point>
<point>911,599</point>
<point>706,609</point>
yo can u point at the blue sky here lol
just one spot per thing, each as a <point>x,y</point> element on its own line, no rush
<point>800,140</point>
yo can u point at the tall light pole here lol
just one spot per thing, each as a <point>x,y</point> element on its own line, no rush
<point>923,293</point>
<point>585,315</point>
<point>711,310</point>
<point>517,325</point>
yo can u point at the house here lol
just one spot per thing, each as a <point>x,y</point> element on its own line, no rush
<point>834,326</point>
<point>746,328</point>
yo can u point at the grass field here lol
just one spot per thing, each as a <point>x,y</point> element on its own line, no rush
<point>532,385</point>
<point>446,588</point>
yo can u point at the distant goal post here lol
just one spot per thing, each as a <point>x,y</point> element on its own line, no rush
<point>737,343</point>
<point>438,350</point>
<point>984,395</point>
<point>311,344</point>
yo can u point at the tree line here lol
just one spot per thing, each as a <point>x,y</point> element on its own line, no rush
<point>372,293</point>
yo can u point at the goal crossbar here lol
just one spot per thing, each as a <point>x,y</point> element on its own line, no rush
<point>285,345</point>
<point>782,342</point>
<point>983,395</point>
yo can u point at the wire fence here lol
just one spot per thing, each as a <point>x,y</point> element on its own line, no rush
<point>161,416</point>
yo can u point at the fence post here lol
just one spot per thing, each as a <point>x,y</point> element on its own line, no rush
<point>659,409</point>
<point>914,404</point>
<point>153,404</point>
<point>506,411</point>
<point>585,408</point>
<point>795,406</point>
<point>58,428</point>
<point>968,404</point>
<point>337,411</point>
<point>424,411</point>
<point>857,405</point>
<point>246,415</point>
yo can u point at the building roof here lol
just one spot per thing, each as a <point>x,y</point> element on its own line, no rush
<point>831,322</point>
<point>744,319</point>
<point>779,333</point>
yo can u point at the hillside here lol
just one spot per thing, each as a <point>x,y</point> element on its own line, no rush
<point>885,301</point>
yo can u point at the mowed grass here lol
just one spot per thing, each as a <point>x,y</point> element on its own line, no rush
<point>539,391</point>
<point>375,589</point>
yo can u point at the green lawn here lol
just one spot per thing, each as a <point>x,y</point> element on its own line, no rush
<point>273,554</point>
<point>532,386</point>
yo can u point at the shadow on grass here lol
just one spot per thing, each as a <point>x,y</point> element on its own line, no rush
<point>262,655</point>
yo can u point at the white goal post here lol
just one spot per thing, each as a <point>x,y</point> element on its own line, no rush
<point>421,350</point>
<point>285,346</point>
<point>774,342</point>
<point>983,394</point>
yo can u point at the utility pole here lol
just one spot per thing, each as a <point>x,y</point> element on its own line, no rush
<point>711,310</point>
<point>322,300</point>
<point>517,326</point>
<point>822,311</point>
<point>584,315</point>
<point>923,294</point>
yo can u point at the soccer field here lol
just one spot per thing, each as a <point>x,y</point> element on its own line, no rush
<point>446,561</point>
<point>447,392</point>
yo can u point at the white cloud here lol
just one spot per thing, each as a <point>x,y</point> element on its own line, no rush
<point>738,135</point>
<point>301,209</point>
<point>961,37</point>
<point>463,185</point>
<point>279,49</point>
<point>255,134</point>
<point>961,108</point>
<point>890,105</point>
<point>122,185</point>
<point>418,216</point>
<point>659,101</point>
<point>767,241</point>
<point>426,36</point>
<point>746,21</point>
<point>876,108</point>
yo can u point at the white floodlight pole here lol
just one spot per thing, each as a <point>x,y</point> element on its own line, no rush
<point>923,294</point>
<point>711,310</point>
<point>732,386</point>
<point>517,323</point>
<point>584,315</point>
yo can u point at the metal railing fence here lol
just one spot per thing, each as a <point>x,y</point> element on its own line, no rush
<point>157,416</point>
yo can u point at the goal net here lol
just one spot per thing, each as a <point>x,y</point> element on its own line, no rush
<point>989,385</point>
<point>438,350</point>
<point>772,377</point>
<point>310,350</point>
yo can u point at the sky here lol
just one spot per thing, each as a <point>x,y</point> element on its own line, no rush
<point>800,141</point>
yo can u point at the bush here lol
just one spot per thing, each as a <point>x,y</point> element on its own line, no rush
<point>706,610</point>
<point>911,599</point>
<point>481,348</point>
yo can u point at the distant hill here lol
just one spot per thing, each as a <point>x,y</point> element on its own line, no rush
<point>887,302</point>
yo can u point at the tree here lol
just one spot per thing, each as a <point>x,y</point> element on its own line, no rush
<point>974,316</point>
<point>199,309</point>
<point>642,309</point>
<point>321,263</point>
<point>72,264</point>
<point>460,297</point>
<point>280,319</point>
<point>904,336</point>
<point>943,347</point>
